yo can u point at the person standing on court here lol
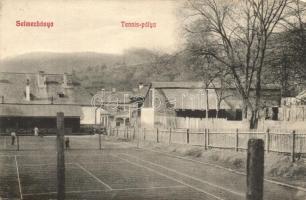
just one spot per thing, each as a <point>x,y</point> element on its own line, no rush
<point>13,137</point>
<point>36,131</point>
<point>67,143</point>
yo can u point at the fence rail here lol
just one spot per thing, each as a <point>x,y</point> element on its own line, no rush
<point>290,142</point>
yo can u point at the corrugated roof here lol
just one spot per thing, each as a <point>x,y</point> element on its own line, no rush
<point>12,87</point>
<point>201,85</point>
<point>39,110</point>
<point>194,99</point>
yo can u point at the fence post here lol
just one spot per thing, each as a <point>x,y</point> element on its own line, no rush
<point>268,140</point>
<point>100,140</point>
<point>157,138</point>
<point>237,140</point>
<point>144,134</point>
<point>60,157</point>
<point>293,147</point>
<point>205,139</point>
<point>255,169</point>
<point>170,135</point>
<point>187,135</point>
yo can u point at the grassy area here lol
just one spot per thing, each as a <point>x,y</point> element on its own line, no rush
<point>277,167</point>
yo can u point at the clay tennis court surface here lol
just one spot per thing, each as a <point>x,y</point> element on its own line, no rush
<point>119,171</point>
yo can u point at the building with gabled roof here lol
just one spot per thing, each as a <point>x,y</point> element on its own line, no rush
<point>33,99</point>
<point>194,100</point>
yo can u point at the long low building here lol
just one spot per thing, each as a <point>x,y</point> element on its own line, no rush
<point>27,116</point>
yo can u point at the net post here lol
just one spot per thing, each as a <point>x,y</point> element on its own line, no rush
<point>60,156</point>
<point>255,169</point>
<point>17,138</point>
<point>187,133</point>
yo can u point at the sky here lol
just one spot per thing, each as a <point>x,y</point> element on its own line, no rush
<point>92,25</point>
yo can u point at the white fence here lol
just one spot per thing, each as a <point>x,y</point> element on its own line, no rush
<point>223,124</point>
<point>274,142</point>
<point>199,123</point>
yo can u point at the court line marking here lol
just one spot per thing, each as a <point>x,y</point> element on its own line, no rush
<point>188,176</point>
<point>67,192</point>
<point>34,165</point>
<point>228,169</point>
<point>13,155</point>
<point>115,162</point>
<point>20,190</point>
<point>150,188</point>
<point>119,189</point>
<point>92,175</point>
<point>172,178</point>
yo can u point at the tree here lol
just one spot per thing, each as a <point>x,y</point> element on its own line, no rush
<point>238,34</point>
<point>205,67</point>
<point>287,49</point>
<point>294,43</point>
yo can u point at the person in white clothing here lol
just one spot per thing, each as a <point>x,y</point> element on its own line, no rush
<point>36,131</point>
<point>13,136</point>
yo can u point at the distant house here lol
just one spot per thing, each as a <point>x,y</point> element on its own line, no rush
<point>190,99</point>
<point>117,105</point>
<point>122,106</point>
<point>33,99</point>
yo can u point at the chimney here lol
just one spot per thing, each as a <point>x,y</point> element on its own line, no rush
<point>113,90</point>
<point>65,81</point>
<point>41,79</point>
<point>28,92</point>
<point>140,85</point>
<point>2,99</point>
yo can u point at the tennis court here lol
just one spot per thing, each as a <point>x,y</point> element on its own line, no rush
<point>118,171</point>
<point>90,173</point>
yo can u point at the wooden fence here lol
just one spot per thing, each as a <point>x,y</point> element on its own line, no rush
<point>237,140</point>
